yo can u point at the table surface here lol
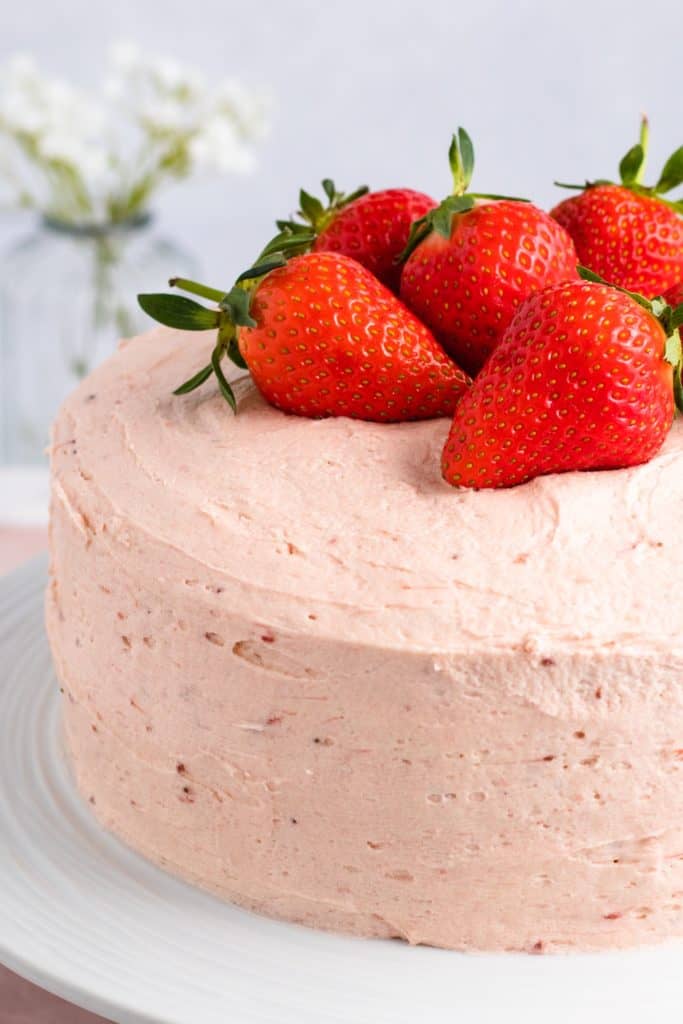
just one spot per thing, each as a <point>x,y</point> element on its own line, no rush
<point>21,1002</point>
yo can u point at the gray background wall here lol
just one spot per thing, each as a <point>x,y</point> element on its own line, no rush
<point>368,90</point>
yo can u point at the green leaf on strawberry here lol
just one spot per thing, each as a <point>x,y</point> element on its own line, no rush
<point>461,160</point>
<point>195,381</point>
<point>223,383</point>
<point>672,173</point>
<point>329,189</point>
<point>314,214</point>
<point>440,219</point>
<point>179,312</point>
<point>311,208</point>
<point>236,304</point>
<point>631,166</point>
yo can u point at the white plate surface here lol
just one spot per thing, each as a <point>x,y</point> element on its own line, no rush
<point>88,919</point>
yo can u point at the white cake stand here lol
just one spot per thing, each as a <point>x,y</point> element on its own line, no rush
<point>89,920</point>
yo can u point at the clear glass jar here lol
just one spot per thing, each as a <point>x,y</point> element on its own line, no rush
<point>67,294</point>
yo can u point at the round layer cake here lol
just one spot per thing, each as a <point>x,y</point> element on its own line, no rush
<point>301,671</point>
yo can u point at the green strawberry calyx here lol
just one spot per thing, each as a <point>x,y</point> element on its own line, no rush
<point>233,309</point>
<point>671,319</point>
<point>440,220</point>
<point>314,215</point>
<point>632,172</point>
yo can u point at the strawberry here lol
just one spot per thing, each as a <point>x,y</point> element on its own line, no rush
<point>472,260</point>
<point>674,296</point>
<point>584,378</point>
<point>628,233</point>
<point>371,227</point>
<point>321,337</point>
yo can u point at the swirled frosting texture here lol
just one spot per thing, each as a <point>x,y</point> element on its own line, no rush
<point>302,672</point>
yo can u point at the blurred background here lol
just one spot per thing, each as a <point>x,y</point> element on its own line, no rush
<point>366,91</point>
<point>369,91</point>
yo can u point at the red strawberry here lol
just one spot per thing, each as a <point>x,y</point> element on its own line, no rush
<point>674,296</point>
<point>582,379</point>
<point>627,233</point>
<point>475,258</point>
<point>322,337</point>
<point>371,227</point>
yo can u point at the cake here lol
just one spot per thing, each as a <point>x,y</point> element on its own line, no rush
<point>302,672</point>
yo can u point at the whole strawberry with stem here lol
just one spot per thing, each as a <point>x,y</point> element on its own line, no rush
<point>472,260</point>
<point>321,336</point>
<point>628,233</point>
<point>370,227</point>
<point>585,377</point>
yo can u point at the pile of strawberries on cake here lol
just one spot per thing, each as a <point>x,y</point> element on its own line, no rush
<point>552,340</point>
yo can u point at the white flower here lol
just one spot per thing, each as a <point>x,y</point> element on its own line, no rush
<point>219,147</point>
<point>178,79</point>
<point>20,113</point>
<point>83,154</point>
<point>164,115</point>
<point>146,77</point>
<point>249,110</point>
<point>32,105</point>
<point>67,148</point>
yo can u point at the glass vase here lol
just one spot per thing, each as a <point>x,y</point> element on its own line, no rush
<point>67,295</point>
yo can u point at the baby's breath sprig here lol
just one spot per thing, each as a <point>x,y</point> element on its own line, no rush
<point>98,156</point>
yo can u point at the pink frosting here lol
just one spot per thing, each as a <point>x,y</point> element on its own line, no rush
<point>304,673</point>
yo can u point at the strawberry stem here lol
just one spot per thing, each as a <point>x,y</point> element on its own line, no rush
<point>644,143</point>
<point>195,288</point>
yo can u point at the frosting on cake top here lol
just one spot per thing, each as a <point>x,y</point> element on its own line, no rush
<point>348,525</point>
